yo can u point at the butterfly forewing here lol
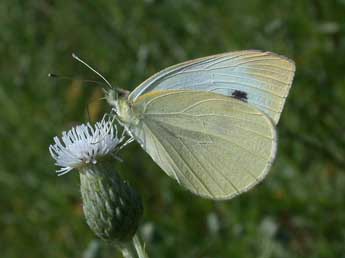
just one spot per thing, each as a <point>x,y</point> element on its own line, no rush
<point>262,79</point>
<point>215,146</point>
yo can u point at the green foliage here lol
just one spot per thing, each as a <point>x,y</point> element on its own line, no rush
<point>298,211</point>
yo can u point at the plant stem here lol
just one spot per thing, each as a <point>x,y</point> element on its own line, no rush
<point>126,250</point>
<point>139,248</point>
<point>133,249</point>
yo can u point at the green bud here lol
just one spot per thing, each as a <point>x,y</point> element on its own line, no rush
<point>112,208</point>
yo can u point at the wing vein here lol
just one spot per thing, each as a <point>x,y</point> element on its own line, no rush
<point>226,58</point>
<point>203,167</point>
<point>184,161</point>
<point>155,141</point>
<point>214,135</point>
<point>254,79</point>
<point>210,82</point>
<point>215,115</point>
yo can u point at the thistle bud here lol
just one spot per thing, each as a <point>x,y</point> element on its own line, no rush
<point>111,206</point>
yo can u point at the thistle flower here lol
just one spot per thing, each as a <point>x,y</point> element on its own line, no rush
<point>84,145</point>
<point>111,206</point>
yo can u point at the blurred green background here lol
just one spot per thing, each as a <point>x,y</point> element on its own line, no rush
<point>299,209</point>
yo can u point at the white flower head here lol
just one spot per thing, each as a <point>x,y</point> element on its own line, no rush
<point>85,144</point>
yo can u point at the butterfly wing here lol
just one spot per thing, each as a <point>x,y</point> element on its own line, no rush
<point>262,79</point>
<point>215,146</point>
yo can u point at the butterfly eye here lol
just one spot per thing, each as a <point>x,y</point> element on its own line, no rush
<point>123,93</point>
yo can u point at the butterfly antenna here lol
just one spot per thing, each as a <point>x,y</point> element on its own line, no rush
<point>60,77</point>
<point>92,69</point>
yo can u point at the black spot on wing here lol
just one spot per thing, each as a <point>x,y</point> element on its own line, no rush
<point>241,95</point>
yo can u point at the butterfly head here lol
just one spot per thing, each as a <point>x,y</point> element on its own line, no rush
<point>113,96</point>
<point>118,99</point>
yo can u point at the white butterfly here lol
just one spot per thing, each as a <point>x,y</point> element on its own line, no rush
<point>210,123</point>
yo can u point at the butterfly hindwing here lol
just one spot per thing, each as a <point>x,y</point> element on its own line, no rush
<point>213,145</point>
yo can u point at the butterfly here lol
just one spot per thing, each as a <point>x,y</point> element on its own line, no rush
<point>210,123</point>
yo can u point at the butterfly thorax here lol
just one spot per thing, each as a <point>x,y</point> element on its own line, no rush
<point>125,112</point>
<point>122,107</point>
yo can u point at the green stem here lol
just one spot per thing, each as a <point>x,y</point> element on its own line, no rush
<point>139,248</point>
<point>127,250</point>
<point>127,253</point>
<point>133,249</point>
